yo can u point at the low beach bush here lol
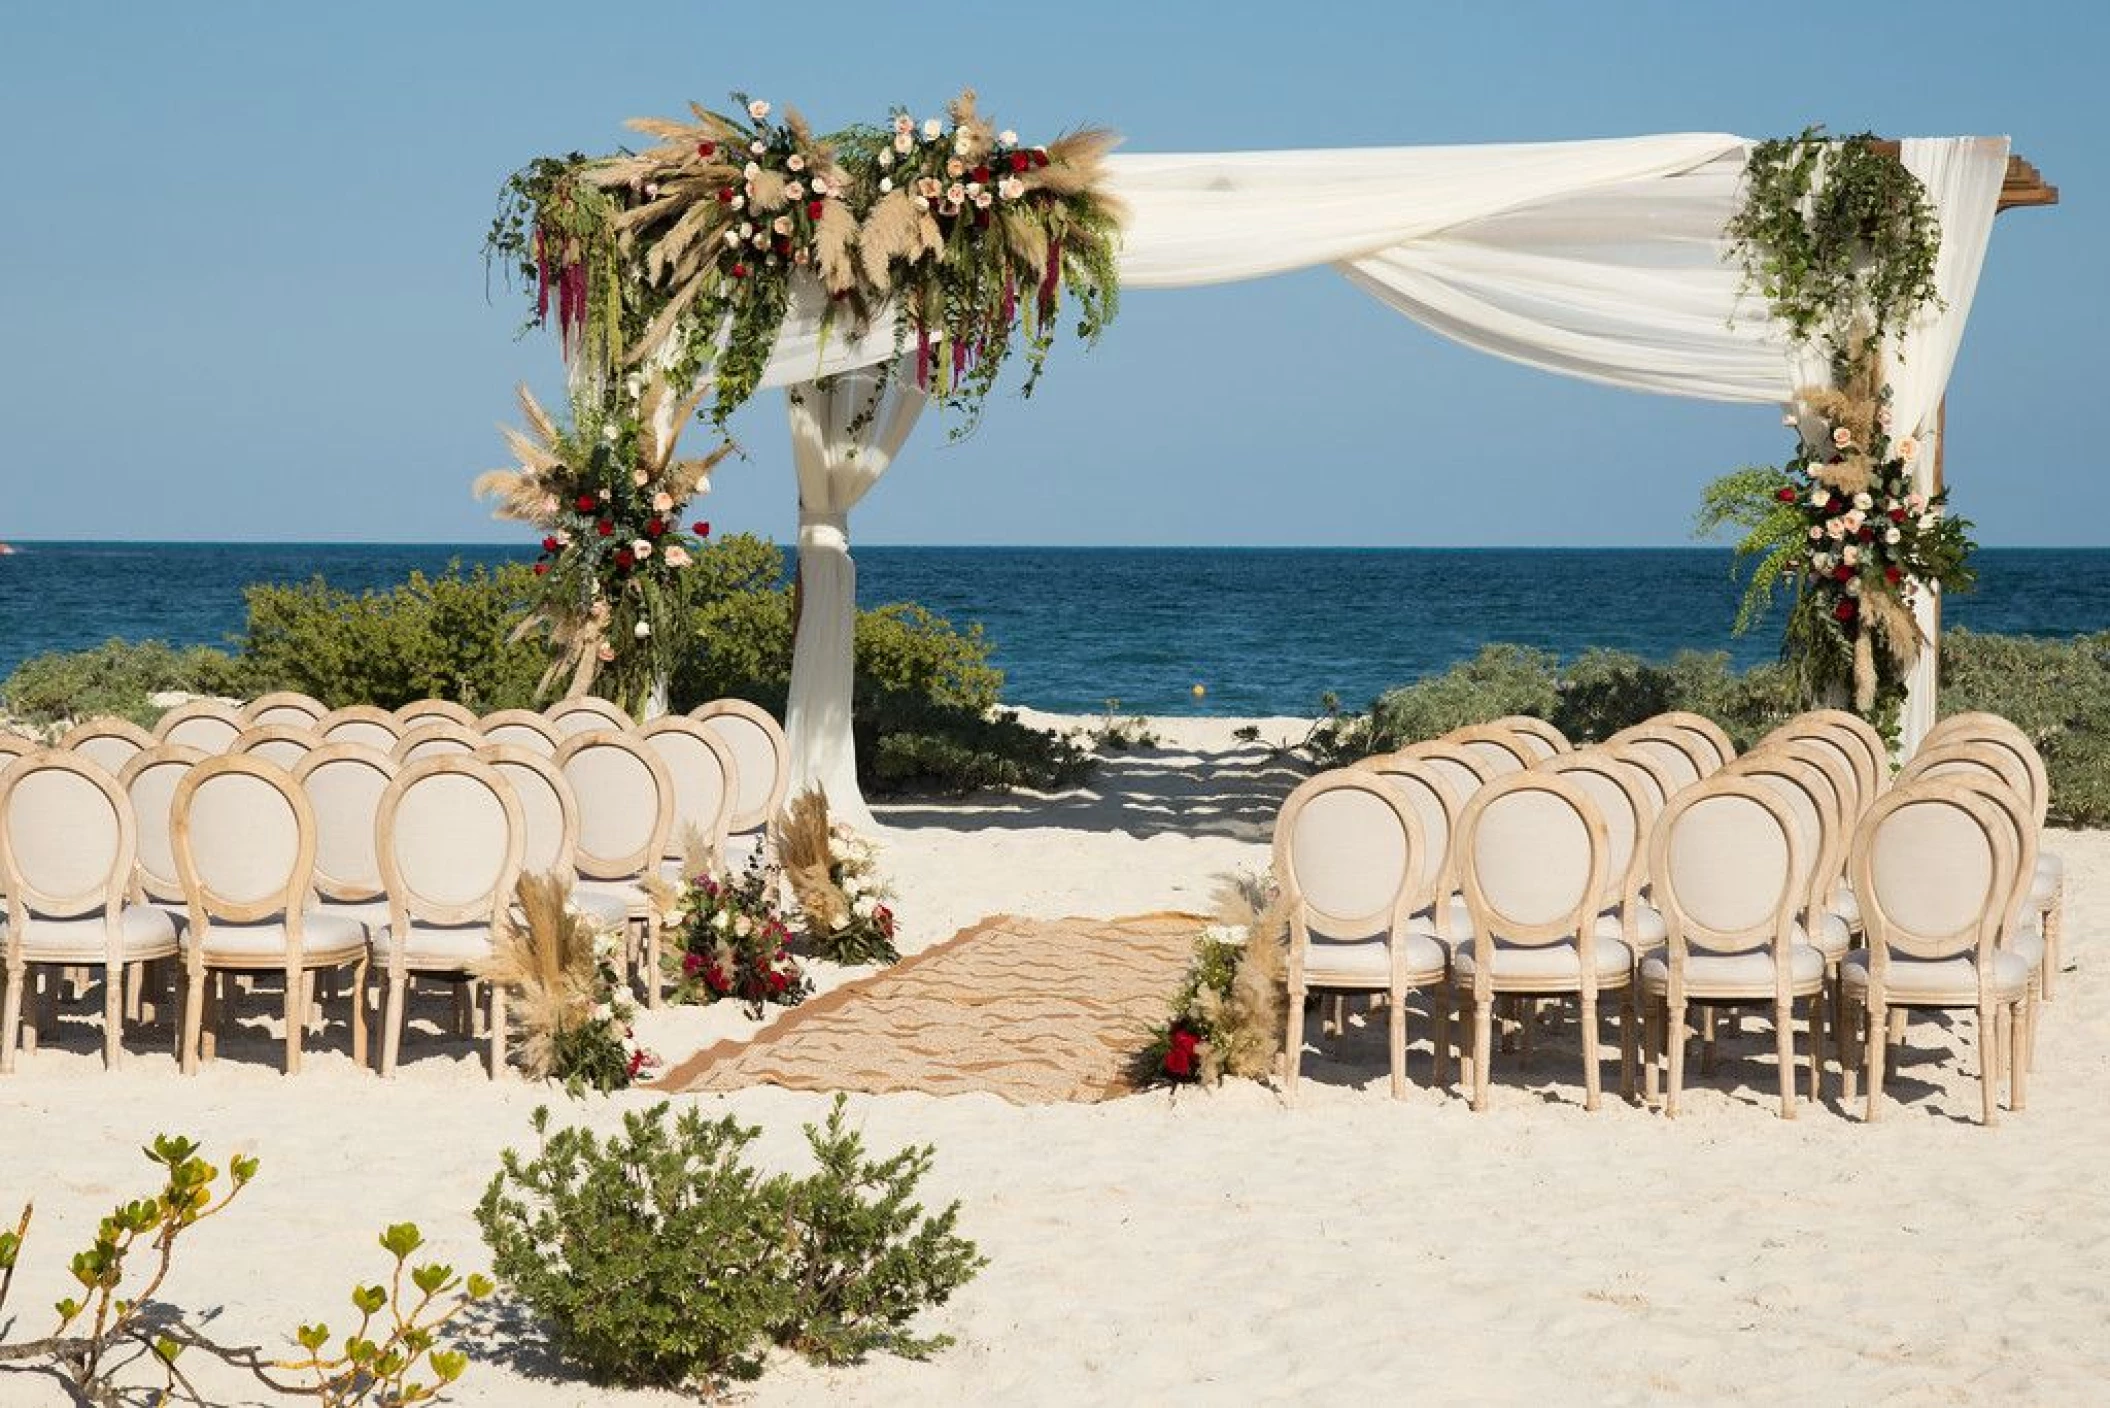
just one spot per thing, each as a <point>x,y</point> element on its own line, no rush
<point>118,678</point>
<point>662,1258</point>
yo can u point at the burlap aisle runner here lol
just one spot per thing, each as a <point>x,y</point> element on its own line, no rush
<point>1037,1011</point>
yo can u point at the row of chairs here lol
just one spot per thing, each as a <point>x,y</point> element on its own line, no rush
<point>608,806</point>
<point>1511,866</point>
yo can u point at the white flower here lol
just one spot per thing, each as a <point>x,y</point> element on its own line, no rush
<point>1834,530</point>
<point>1883,416</point>
<point>984,200</point>
<point>604,496</point>
<point>1863,501</point>
<point>955,168</point>
<point>794,191</point>
<point>757,148</point>
<point>750,171</point>
<point>795,162</point>
<point>1224,934</point>
<point>1853,586</point>
<point>610,431</point>
<point>1842,437</point>
<point>743,926</point>
<point>931,128</point>
<point>642,630</point>
<point>1908,449</point>
<point>677,556</point>
<point>904,143</point>
<point>820,185</point>
<point>563,537</point>
<point>974,188</point>
<point>955,193</point>
<point>959,141</point>
<point>782,224</point>
<point>640,549</point>
<point>651,190</point>
<point>1849,556</point>
<point>886,183</point>
<point>760,241</point>
<point>722,920</point>
<point>605,653</point>
<point>1820,496</point>
<point>920,202</point>
<point>746,228</point>
<point>852,886</point>
<point>1816,532</point>
<point>758,109</point>
<point>739,202</point>
<point>604,1011</point>
<point>1891,535</point>
<point>662,501</point>
<point>1007,137</point>
<point>634,385</point>
<point>865,908</point>
<point>1915,501</point>
<point>1822,561</point>
<point>1011,188</point>
<point>886,158</point>
<point>904,124</point>
<point>930,186</point>
<point>549,508</point>
<point>732,237</point>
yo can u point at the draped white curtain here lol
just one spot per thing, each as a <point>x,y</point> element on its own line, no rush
<point>844,433</point>
<point>1603,260</point>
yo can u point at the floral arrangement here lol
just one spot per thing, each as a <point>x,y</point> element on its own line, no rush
<point>686,255</point>
<point>608,495</point>
<point>734,942</point>
<point>565,972</point>
<point>834,876</point>
<point>1226,1019</point>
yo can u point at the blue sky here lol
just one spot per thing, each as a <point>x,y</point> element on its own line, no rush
<point>245,298</point>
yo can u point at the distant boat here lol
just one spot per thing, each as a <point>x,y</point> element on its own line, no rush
<point>6,550</point>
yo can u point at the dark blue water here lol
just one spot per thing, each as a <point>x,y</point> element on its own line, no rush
<point>1265,631</point>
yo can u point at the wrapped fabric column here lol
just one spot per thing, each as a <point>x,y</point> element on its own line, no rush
<point>842,441</point>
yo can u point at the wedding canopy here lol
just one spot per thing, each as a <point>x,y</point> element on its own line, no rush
<point>1604,260</point>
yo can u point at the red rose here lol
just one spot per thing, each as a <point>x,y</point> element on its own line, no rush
<point>1842,573</point>
<point>1020,161</point>
<point>550,544</point>
<point>725,195</point>
<point>739,271</point>
<point>541,569</point>
<point>1866,535</point>
<point>584,503</point>
<point>700,528</point>
<point>1786,496</point>
<point>1897,515</point>
<point>604,528</point>
<point>1845,610</point>
<point>776,982</point>
<point>690,962</point>
<point>981,175</point>
<point>1892,575</point>
<point>1040,156</point>
<point>706,150</point>
<point>625,559</point>
<point>783,244</point>
<point>655,527</point>
<point>815,209</point>
<point>1179,1053</point>
<point>637,1061</point>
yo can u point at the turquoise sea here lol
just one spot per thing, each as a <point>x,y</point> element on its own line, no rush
<point>1264,630</point>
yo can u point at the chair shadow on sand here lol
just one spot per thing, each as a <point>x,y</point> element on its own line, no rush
<point>1233,792</point>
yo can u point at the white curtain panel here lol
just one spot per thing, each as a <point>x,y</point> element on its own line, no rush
<point>838,460</point>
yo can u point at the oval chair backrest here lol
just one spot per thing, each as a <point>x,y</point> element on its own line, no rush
<point>107,743</point>
<point>1931,865</point>
<point>585,714</point>
<point>1531,861</point>
<point>1972,757</point>
<point>1436,808</point>
<point>1463,772</point>
<point>2021,834</point>
<point>1729,865</point>
<point>245,842</point>
<point>1348,854</point>
<point>362,724</point>
<point>1991,728</point>
<point>450,839</point>
<point>1679,756</point>
<point>626,803</point>
<point>706,783</point>
<point>203,725</point>
<point>1656,780</point>
<point>419,712</point>
<point>521,728</point>
<point>761,758</point>
<point>1714,743</point>
<point>344,783</point>
<point>66,840</point>
<point>1874,769</point>
<point>149,781</point>
<point>282,745</point>
<point>287,707</point>
<point>1542,738</point>
<point>14,745</point>
<point>1801,785</point>
<point>436,738</point>
<point>1840,745</point>
<point>1620,792</point>
<point>549,816</point>
<point>1499,751</point>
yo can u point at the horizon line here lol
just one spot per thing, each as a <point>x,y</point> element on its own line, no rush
<point>528,547</point>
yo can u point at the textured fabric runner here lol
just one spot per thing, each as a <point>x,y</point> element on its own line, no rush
<point>1037,1011</point>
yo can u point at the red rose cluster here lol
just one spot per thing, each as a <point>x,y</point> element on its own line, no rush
<point>1181,1058</point>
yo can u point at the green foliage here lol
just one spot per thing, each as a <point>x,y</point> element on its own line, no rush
<point>444,637</point>
<point>1504,679</point>
<point>1775,534</point>
<point>2056,691</point>
<point>662,1258</point>
<point>118,678</point>
<point>907,742</point>
<point>1115,734</point>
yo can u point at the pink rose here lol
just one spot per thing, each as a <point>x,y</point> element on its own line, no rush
<point>1842,437</point>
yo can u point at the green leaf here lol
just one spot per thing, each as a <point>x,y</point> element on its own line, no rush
<point>313,1337</point>
<point>431,1279</point>
<point>479,1286</point>
<point>448,1364</point>
<point>401,1239</point>
<point>368,1300</point>
<point>167,1349</point>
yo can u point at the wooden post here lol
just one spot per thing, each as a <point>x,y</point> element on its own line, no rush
<point>1941,443</point>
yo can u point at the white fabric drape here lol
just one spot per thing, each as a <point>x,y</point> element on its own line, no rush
<point>841,442</point>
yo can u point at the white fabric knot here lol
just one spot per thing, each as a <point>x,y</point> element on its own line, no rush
<point>824,532</point>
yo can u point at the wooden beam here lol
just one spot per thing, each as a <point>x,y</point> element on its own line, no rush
<point>2025,185</point>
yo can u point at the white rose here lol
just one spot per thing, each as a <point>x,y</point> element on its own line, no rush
<point>757,148</point>
<point>886,183</point>
<point>638,478</point>
<point>1854,520</point>
<point>865,908</point>
<point>955,168</point>
<point>1842,437</point>
<point>852,886</point>
<point>1816,532</point>
<point>904,143</point>
<point>640,549</point>
<point>739,202</point>
<point>782,224</point>
<point>1822,561</point>
<point>1008,137</point>
<point>758,109</point>
<point>795,162</point>
<point>1849,555</point>
<point>820,185</point>
<point>732,237</point>
<point>794,191</point>
<point>722,920</point>
<point>955,193</point>
<point>1891,535</point>
<point>750,171</point>
<point>931,128</point>
<point>662,502</point>
<point>959,142</point>
<point>974,188</point>
<point>1908,449</point>
<point>919,202</point>
<point>1853,587</point>
<point>743,926</point>
<point>1835,529</point>
<point>642,630</point>
<point>760,241</point>
<point>1820,497</point>
<point>1011,188</point>
<point>746,228</point>
<point>984,200</point>
<point>886,158</point>
<point>1864,502</point>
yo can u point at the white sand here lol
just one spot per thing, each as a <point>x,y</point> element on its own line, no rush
<point>1214,1245</point>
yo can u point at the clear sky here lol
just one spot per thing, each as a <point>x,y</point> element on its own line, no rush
<point>244,298</point>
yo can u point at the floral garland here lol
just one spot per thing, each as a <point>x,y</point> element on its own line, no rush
<point>734,942</point>
<point>686,255</point>
<point>834,875</point>
<point>608,496</point>
<point>565,971</point>
<point>1226,1019</point>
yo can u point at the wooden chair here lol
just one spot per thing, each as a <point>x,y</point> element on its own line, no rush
<point>706,788</point>
<point>1678,756</point>
<point>1542,738</point>
<point>202,724</point>
<point>281,745</point>
<point>14,745</point>
<point>1730,872</point>
<point>245,849</point>
<point>1349,853</point>
<point>521,728</point>
<point>109,743</point>
<point>586,713</point>
<point>1499,751</point>
<point>1531,862</point>
<point>762,761</point>
<point>419,712</point>
<point>450,839</point>
<point>344,783</point>
<point>626,813</point>
<point>66,856</point>
<point>437,738</point>
<point>1934,869</point>
<point>1713,740</point>
<point>1462,770</point>
<point>2048,883</point>
<point>360,723</point>
<point>287,707</point>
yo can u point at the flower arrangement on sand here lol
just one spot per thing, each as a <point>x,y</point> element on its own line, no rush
<point>564,971</point>
<point>733,941</point>
<point>834,876</point>
<point>1226,1018</point>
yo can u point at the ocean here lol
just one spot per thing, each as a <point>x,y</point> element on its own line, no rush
<point>1262,630</point>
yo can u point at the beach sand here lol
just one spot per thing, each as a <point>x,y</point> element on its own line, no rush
<point>1213,1245</point>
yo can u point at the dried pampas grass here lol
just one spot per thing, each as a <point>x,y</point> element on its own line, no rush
<point>1246,1023</point>
<point>805,848</point>
<point>545,958</point>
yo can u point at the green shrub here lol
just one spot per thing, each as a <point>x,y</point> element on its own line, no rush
<point>662,1258</point>
<point>907,742</point>
<point>118,678</point>
<point>2056,691</point>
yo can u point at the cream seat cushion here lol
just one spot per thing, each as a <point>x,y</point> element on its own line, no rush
<point>636,904</point>
<point>1846,906</point>
<point>325,938</point>
<point>372,913</point>
<point>1545,963</point>
<point>1367,963</point>
<point>611,911</point>
<point>1736,974</point>
<point>740,848</point>
<point>148,932</point>
<point>1648,920</point>
<point>1945,981</point>
<point>436,947</point>
<point>2044,886</point>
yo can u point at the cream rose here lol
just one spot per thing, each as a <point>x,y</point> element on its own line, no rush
<point>1908,449</point>
<point>758,109</point>
<point>1842,437</point>
<point>677,556</point>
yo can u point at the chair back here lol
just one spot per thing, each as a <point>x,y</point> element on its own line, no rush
<point>1972,757</point>
<point>419,712</point>
<point>344,783</point>
<point>521,728</point>
<point>14,745</point>
<point>549,815</point>
<point>626,803</point>
<point>360,723</point>
<point>1620,792</point>
<point>108,743</point>
<point>1800,783</point>
<point>436,738</point>
<point>149,780</point>
<point>288,707</point>
<point>1932,866</point>
<point>1730,869</point>
<point>66,843</point>
<point>706,782</point>
<point>1542,738</point>
<point>1348,855</point>
<point>282,745</point>
<point>1714,743</point>
<point>1680,757</point>
<point>1499,751</point>
<point>450,838</point>
<point>1463,772</point>
<point>245,845</point>
<point>761,758</point>
<point>586,713</point>
<point>1435,806</point>
<point>1841,746</point>
<point>1531,863</point>
<point>1862,736</point>
<point>1656,780</point>
<point>202,724</point>
<point>2022,832</point>
<point>1993,729</point>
